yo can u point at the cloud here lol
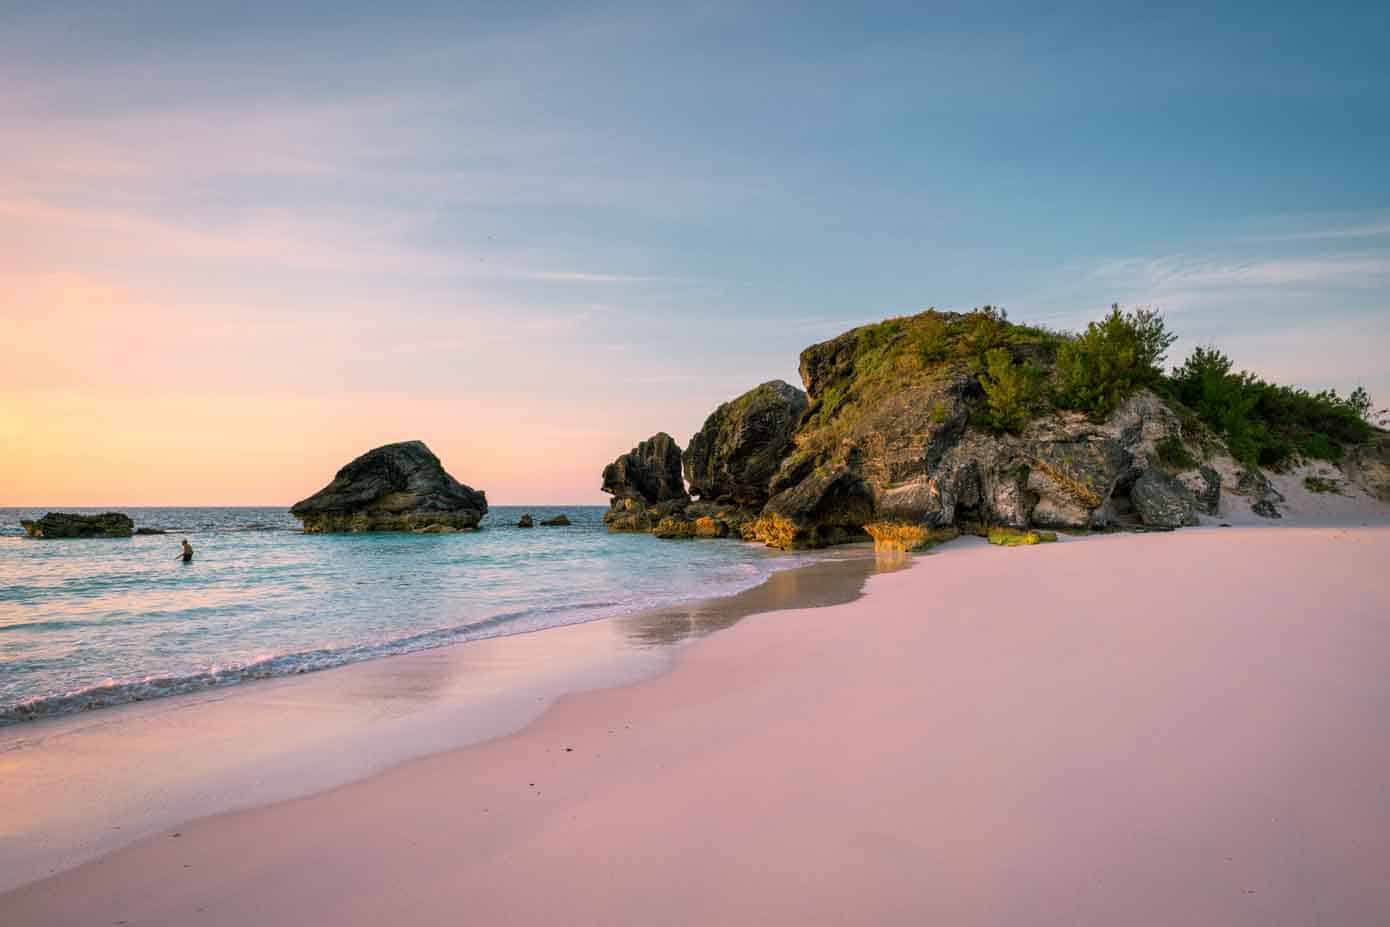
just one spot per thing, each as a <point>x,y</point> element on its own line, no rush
<point>356,242</point>
<point>1182,271</point>
<point>1324,228</point>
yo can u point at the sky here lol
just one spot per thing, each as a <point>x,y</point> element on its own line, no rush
<point>242,243</point>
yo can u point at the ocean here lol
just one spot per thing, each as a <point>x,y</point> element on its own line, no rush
<point>86,624</point>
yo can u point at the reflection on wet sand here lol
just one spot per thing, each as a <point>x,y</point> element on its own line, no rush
<point>832,582</point>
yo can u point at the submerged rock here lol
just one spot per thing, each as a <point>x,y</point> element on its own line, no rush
<point>628,515</point>
<point>56,525</point>
<point>720,520</point>
<point>397,487</point>
<point>559,521</point>
<point>674,526</point>
<point>734,456</point>
<point>150,531</point>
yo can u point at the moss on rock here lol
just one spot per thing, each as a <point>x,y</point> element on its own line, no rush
<point>1015,537</point>
<point>900,536</point>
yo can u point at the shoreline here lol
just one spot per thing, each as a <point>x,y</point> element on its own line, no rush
<point>160,763</point>
<point>117,676</point>
<point>1143,729</point>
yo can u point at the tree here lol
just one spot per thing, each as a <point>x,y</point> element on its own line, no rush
<point>1010,391</point>
<point>1101,367</point>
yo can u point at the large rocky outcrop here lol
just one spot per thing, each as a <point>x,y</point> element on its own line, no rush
<point>732,459</point>
<point>398,487</point>
<point>916,428</point>
<point>890,437</point>
<point>67,525</point>
<point>646,485</point>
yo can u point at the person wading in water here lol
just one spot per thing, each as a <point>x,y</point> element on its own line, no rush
<point>187,555</point>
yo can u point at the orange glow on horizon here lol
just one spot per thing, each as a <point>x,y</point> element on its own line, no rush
<point>114,400</point>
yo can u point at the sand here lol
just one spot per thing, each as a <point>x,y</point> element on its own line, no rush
<point>1132,729</point>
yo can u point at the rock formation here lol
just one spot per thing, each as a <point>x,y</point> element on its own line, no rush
<point>646,485</point>
<point>67,525</point>
<point>901,435</point>
<point>890,439</point>
<point>732,459</point>
<point>559,521</point>
<point>1264,498</point>
<point>1162,500</point>
<point>398,487</point>
<point>525,522</point>
<point>1205,483</point>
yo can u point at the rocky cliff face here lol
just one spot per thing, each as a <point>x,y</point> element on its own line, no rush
<point>645,483</point>
<point>67,525</point>
<point>732,459</point>
<point>398,487</point>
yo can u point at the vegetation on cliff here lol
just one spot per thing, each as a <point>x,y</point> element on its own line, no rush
<point>1024,371</point>
<point>1263,424</point>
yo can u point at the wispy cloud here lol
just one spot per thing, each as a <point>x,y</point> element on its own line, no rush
<point>1328,234</point>
<point>1316,228</point>
<point>354,242</point>
<point>1186,271</point>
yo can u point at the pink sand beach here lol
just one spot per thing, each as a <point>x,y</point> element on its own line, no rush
<point>1163,729</point>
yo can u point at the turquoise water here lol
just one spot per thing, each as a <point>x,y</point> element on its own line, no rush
<point>90,623</point>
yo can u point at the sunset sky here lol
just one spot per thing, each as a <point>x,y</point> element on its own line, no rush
<point>239,245</point>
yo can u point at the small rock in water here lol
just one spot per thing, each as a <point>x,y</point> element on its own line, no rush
<point>68,525</point>
<point>526,522</point>
<point>559,521</point>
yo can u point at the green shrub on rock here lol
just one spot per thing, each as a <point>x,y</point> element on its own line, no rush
<point>1174,454</point>
<point>1321,485</point>
<point>1263,424</point>
<point>1011,391</point>
<point>1113,358</point>
<point>1015,537</point>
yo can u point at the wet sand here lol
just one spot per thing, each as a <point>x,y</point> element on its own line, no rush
<point>74,788</point>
